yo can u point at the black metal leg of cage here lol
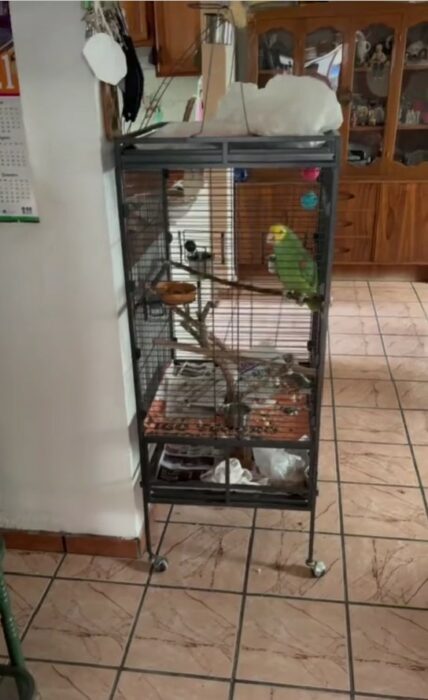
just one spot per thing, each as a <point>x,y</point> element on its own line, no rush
<point>158,562</point>
<point>318,568</point>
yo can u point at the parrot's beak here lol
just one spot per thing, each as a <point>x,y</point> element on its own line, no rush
<point>276,233</point>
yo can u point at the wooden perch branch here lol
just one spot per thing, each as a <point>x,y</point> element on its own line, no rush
<point>231,283</point>
<point>207,341</point>
<point>230,355</point>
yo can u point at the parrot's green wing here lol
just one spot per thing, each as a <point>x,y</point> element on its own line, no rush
<point>295,266</point>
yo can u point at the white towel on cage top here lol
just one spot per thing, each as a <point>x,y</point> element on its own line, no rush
<point>287,105</point>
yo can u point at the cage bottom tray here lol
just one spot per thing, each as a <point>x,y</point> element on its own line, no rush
<point>265,422</point>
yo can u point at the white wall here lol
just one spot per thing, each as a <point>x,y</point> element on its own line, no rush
<point>64,446</point>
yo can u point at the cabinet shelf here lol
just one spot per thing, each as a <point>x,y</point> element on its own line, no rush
<point>412,127</point>
<point>379,127</point>
<point>409,66</point>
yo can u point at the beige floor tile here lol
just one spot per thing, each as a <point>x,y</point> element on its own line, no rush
<point>348,344</point>
<point>421,290</point>
<point>403,326</point>
<point>37,563</point>
<point>278,565</point>
<point>211,515</point>
<point>147,686</point>
<point>409,368</point>
<point>360,325</point>
<point>298,642</point>
<point>327,510</point>
<point>105,568</point>
<point>327,461</point>
<point>25,593</point>
<point>350,294</point>
<point>352,308</point>
<point>326,393</point>
<point>366,393</point>
<point>425,307</point>
<point>406,345</point>
<point>372,463</point>
<point>389,572</point>
<point>186,632</point>
<point>161,511</point>
<point>396,308</point>
<point>417,424</point>
<point>55,681</point>
<point>394,292</point>
<point>204,556</point>
<point>265,692</point>
<point>83,622</point>
<point>359,367</point>
<point>421,456</point>
<point>327,427</point>
<point>389,649</point>
<point>370,424</point>
<point>384,511</point>
<point>413,394</point>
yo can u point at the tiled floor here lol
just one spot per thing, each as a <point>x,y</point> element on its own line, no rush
<point>237,615</point>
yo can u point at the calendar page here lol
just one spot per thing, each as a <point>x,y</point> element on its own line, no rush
<point>17,202</point>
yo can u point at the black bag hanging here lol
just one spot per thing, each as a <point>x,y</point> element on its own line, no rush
<point>133,84</point>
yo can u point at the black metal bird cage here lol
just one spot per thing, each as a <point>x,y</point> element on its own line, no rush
<point>227,247</point>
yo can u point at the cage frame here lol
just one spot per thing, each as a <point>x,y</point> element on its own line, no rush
<point>145,151</point>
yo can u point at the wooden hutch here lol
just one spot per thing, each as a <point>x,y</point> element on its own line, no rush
<point>375,55</point>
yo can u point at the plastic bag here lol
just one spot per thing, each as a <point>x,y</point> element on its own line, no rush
<point>238,475</point>
<point>277,465</point>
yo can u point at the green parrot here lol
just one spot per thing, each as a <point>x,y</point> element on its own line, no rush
<point>295,266</point>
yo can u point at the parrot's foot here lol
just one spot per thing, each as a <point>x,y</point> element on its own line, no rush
<point>314,301</point>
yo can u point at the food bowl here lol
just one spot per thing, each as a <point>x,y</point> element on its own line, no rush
<point>176,293</point>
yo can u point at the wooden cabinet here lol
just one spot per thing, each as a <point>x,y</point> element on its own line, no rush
<point>139,18</point>
<point>403,224</point>
<point>177,40</point>
<point>377,62</point>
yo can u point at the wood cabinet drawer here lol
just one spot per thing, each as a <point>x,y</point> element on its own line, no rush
<point>355,223</point>
<point>361,196</point>
<point>352,249</point>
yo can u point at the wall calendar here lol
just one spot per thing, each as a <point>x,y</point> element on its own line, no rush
<point>17,202</point>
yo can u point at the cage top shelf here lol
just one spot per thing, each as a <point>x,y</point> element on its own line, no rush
<point>145,150</point>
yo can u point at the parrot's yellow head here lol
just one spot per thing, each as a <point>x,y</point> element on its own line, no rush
<point>277,233</point>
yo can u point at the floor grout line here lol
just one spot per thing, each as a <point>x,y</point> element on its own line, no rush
<point>138,612</point>
<point>318,532</point>
<point>242,610</point>
<point>351,674</point>
<point>42,599</point>
<point>406,429</point>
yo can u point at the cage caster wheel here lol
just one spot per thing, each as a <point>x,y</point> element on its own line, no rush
<point>160,564</point>
<point>318,568</point>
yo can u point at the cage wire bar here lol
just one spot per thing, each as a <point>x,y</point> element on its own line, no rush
<point>237,364</point>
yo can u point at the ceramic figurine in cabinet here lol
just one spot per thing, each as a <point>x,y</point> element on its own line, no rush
<point>372,116</point>
<point>379,114</point>
<point>379,58</point>
<point>362,48</point>
<point>362,115</point>
<point>414,50</point>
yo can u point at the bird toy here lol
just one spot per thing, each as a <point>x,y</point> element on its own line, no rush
<point>309,201</point>
<point>310,174</point>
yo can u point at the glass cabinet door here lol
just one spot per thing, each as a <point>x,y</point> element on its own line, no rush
<point>411,144</point>
<point>323,55</point>
<point>373,51</point>
<point>277,49</point>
